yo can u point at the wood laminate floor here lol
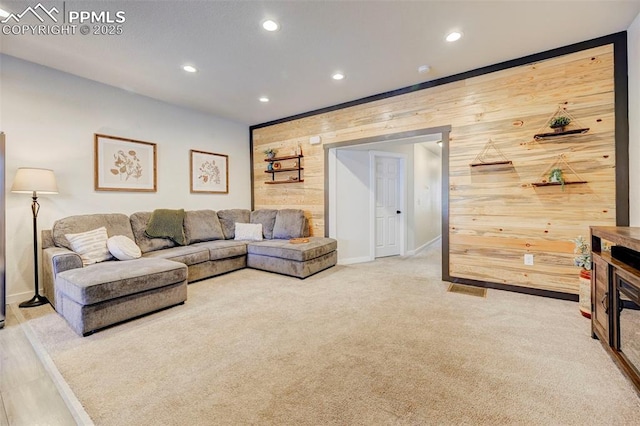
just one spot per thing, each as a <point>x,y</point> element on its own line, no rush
<point>28,395</point>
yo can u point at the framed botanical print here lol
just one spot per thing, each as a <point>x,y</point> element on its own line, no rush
<point>124,164</point>
<point>209,172</point>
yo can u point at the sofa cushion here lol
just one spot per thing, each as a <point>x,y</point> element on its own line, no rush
<point>224,249</point>
<point>123,248</point>
<point>189,255</point>
<point>316,247</point>
<point>110,280</point>
<point>91,245</point>
<point>167,223</point>
<point>115,223</point>
<point>229,218</point>
<point>139,222</point>
<point>202,225</point>
<point>290,223</point>
<point>267,217</point>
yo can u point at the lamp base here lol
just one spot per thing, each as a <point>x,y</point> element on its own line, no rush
<point>36,300</point>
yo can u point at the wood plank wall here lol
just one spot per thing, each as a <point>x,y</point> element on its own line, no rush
<point>495,214</point>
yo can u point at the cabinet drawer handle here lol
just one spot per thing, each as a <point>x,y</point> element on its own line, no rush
<point>605,298</point>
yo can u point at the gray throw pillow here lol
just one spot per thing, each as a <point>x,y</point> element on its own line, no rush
<point>267,217</point>
<point>228,219</point>
<point>290,223</point>
<point>202,225</point>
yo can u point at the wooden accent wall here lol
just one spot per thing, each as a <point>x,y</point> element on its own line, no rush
<point>495,214</point>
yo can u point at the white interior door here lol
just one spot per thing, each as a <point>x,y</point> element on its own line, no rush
<point>387,204</point>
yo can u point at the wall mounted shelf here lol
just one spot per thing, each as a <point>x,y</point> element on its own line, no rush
<point>490,156</point>
<point>296,169</point>
<point>554,135</point>
<point>493,163</point>
<point>557,183</point>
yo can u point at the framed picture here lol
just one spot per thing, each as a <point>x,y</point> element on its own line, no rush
<point>124,164</point>
<point>209,172</point>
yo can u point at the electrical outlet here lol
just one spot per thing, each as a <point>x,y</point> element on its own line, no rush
<point>528,259</point>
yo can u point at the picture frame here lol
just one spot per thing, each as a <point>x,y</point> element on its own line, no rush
<point>209,172</point>
<point>123,164</point>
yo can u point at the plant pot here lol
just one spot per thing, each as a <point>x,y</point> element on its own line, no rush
<point>271,155</point>
<point>585,293</point>
<point>558,129</point>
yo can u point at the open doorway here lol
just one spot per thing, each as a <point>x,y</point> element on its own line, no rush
<point>404,222</point>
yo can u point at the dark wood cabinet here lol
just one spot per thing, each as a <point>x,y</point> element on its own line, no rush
<point>615,295</point>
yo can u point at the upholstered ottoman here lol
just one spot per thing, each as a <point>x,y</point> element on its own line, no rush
<point>107,293</point>
<point>297,260</point>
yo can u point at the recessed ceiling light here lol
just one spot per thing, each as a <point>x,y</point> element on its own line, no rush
<point>270,25</point>
<point>423,69</point>
<point>439,144</point>
<point>189,68</point>
<point>338,76</point>
<point>454,36</point>
<point>263,99</point>
<point>4,13</point>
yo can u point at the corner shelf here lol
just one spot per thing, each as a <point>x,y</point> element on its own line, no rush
<point>297,169</point>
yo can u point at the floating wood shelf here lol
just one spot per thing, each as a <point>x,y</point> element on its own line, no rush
<point>493,163</point>
<point>294,169</point>
<point>552,135</point>
<point>289,157</point>
<point>275,182</point>
<point>557,183</point>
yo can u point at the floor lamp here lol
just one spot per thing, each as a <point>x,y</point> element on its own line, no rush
<point>32,181</point>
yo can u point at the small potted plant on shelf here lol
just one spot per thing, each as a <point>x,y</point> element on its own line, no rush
<point>557,176</point>
<point>582,259</point>
<point>270,153</point>
<point>559,123</point>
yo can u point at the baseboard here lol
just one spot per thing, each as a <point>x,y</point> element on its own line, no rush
<point>19,297</point>
<point>352,260</point>
<point>424,246</point>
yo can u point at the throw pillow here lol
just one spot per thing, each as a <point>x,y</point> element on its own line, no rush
<point>165,223</point>
<point>248,231</point>
<point>90,245</point>
<point>123,248</point>
<point>229,218</point>
<point>290,223</point>
<point>267,217</point>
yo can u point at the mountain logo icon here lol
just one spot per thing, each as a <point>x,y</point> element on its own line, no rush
<point>38,11</point>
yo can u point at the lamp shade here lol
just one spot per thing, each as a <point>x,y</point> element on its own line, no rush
<point>34,180</point>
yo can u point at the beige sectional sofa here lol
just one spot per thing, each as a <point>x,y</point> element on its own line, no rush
<point>96,296</point>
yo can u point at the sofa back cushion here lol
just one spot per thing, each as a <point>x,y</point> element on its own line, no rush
<point>267,217</point>
<point>115,223</point>
<point>139,222</point>
<point>202,225</point>
<point>290,223</point>
<point>229,218</point>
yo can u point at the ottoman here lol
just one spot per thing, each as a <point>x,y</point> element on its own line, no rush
<point>107,293</point>
<point>296,260</point>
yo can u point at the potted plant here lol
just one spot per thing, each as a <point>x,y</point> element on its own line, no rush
<point>270,153</point>
<point>582,259</point>
<point>559,123</point>
<point>557,176</point>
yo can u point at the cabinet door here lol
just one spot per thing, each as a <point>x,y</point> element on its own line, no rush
<point>600,299</point>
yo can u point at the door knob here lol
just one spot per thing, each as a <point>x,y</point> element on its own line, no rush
<point>398,212</point>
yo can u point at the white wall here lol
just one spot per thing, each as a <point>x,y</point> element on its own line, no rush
<point>50,117</point>
<point>352,205</point>
<point>427,178</point>
<point>633,39</point>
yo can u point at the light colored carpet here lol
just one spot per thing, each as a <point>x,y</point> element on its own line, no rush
<point>376,343</point>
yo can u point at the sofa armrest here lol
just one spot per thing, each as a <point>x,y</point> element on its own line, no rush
<point>54,261</point>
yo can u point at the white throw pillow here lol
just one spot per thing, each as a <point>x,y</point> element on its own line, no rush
<point>248,231</point>
<point>123,248</point>
<point>90,245</point>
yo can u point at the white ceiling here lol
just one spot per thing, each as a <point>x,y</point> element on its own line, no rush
<point>378,44</point>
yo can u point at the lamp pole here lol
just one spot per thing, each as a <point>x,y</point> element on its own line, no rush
<point>37,299</point>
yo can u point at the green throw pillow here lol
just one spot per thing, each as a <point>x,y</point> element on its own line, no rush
<point>165,223</point>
